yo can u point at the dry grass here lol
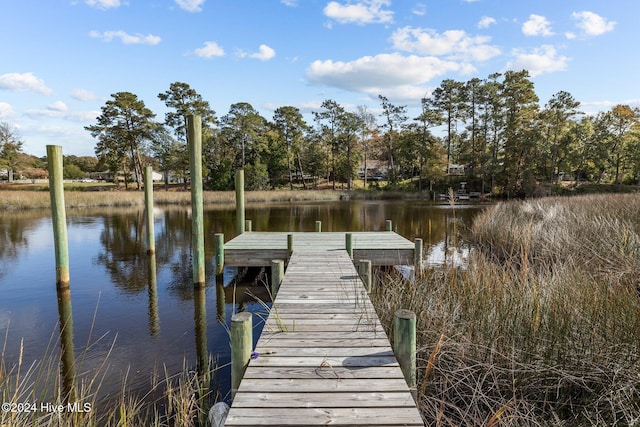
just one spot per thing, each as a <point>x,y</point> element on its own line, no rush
<point>542,328</point>
<point>175,400</point>
<point>21,200</point>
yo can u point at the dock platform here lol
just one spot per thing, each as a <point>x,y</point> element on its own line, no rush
<point>258,249</point>
<point>323,357</point>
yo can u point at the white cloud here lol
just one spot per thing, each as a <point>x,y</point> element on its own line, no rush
<point>103,4</point>
<point>452,43</point>
<point>290,3</point>
<point>190,5</point>
<point>6,109</point>
<point>209,50</point>
<point>420,9</point>
<point>126,38</point>
<point>17,82</point>
<point>539,61</point>
<point>377,74</point>
<point>83,95</point>
<point>61,112</point>
<point>537,25</point>
<point>592,24</point>
<point>264,53</point>
<point>361,12</point>
<point>486,22</point>
<point>58,106</point>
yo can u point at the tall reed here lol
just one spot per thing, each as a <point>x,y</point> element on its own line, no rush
<point>543,325</point>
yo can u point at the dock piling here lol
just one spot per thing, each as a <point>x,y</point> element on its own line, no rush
<point>318,226</point>
<point>194,140</point>
<point>58,214</point>
<point>241,346</point>
<point>289,244</point>
<point>277,274</point>
<point>417,257</point>
<point>404,344</point>
<point>248,225</point>
<point>364,271</point>
<point>148,209</point>
<point>240,201</point>
<point>218,241</point>
<point>388,225</point>
<point>348,243</point>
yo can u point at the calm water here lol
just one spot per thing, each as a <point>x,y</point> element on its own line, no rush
<point>138,317</point>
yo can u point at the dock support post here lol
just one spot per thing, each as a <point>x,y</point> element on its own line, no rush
<point>364,270</point>
<point>417,257</point>
<point>194,140</point>
<point>148,209</point>
<point>388,225</point>
<point>289,245</point>
<point>318,226</point>
<point>218,240</point>
<point>58,214</point>
<point>277,274</point>
<point>248,225</point>
<point>240,201</point>
<point>404,344</point>
<point>348,243</point>
<point>241,346</point>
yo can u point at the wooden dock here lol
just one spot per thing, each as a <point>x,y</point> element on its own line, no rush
<point>323,357</point>
<point>258,249</point>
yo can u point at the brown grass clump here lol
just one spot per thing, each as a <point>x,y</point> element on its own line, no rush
<point>543,326</point>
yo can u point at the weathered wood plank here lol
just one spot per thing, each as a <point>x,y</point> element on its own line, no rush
<point>326,371</point>
<point>324,416</point>
<point>324,400</point>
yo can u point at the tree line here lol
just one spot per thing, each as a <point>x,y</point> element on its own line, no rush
<point>493,132</point>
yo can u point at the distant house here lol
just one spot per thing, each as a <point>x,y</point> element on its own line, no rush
<point>106,176</point>
<point>454,169</point>
<point>376,169</point>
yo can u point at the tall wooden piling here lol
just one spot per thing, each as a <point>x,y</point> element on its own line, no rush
<point>277,274</point>
<point>58,214</point>
<point>194,139</point>
<point>240,201</point>
<point>404,344</point>
<point>241,346</point>
<point>388,225</point>
<point>148,209</point>
<point>318,226</point>
<point>348,244</point>
<point>248,225</point>
<point>218,240</point>
<point>364,271</point>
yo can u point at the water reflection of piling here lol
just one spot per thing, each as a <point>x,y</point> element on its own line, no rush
<point>67,358</point>
<point>200,317</point>
<point>220,300</point>
<point>154,317</point>
<point>148,208</point>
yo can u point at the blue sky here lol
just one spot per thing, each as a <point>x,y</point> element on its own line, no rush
<point>62,59</point>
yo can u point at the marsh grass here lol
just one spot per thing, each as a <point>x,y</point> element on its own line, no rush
<point>542,328</point>
<point>21,200</point>
<point>181,399</point>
